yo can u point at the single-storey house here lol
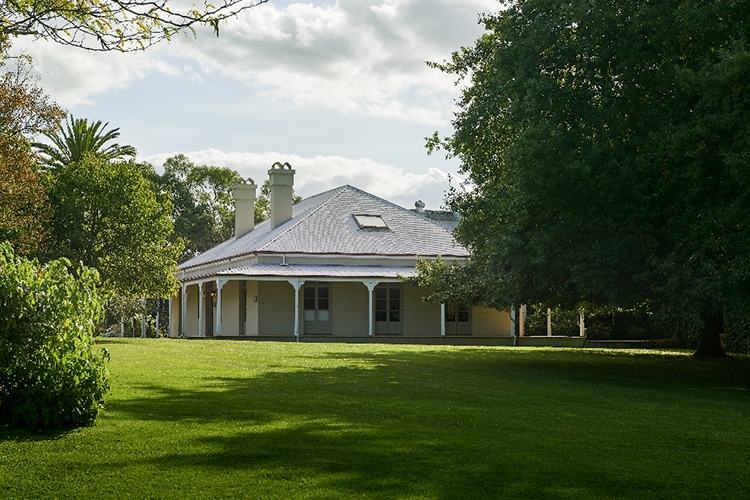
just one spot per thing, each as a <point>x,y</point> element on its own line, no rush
<point>330,267</point>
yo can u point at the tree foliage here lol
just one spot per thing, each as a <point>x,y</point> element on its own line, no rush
<point>263,202</point>
<point>203,205</point>
<point>69,143</point>
<point>606,148</point>
<point>50,376</point>
<point>124,25</point>
<point>201,196</point>
<point>107,216</point>
<point>25,111</point>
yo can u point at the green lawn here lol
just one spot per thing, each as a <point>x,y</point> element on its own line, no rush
<point>221,419</point>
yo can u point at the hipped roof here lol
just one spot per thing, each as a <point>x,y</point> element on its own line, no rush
<point>323,225</point>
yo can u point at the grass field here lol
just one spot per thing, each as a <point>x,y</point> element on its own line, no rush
<point>221,419</point>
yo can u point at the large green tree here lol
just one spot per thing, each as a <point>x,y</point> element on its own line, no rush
<point>69,142</point>
<point>201,196</point>
<point>107,216</point>
<point>203,204</point>
<point>606,148</point>
<point>25,111</point>
<point>124,25</point>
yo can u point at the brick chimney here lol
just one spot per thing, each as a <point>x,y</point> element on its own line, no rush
<point>244,207</point>
<point>281,180</point>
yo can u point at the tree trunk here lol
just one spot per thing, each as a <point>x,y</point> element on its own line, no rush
<point>709,345</point>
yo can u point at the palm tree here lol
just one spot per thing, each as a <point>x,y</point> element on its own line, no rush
<point>78,137</point>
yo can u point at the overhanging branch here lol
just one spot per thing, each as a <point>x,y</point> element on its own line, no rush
<point>124,25</point>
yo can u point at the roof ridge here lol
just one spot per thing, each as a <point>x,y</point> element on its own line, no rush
<point>315,209</point>
<point>427,218</point>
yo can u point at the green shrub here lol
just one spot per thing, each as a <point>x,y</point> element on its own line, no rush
<point>623,324</point>
<point>737,331</point>
<point>50,377</point>
<point>564,322</point>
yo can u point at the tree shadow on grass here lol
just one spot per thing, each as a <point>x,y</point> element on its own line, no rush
<point>442,424</point>
<point>21,435</point>
<point>333,430</point>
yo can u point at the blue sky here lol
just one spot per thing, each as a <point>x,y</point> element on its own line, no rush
<point>339,89</point>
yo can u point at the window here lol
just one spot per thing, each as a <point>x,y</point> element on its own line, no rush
<point>317,308</point>
<point>457,319</point>
<point>388,309</point>
<point>370,222</point>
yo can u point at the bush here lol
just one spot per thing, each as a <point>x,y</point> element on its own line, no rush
<point>623,324</point>
<point>50,377</point>
<point>564,322</point>
<point>737,332</point>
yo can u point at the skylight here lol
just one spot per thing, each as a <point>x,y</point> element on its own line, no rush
<point>370,222</point>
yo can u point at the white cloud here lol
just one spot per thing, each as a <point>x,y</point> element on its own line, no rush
<point>353,56</point>
<point>321,173</point>
<point>331,80</point>
<point>74,77</point>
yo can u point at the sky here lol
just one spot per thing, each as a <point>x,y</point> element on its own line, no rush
<point>340,89</point>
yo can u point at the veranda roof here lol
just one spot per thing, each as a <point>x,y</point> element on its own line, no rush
<point>318,272</point>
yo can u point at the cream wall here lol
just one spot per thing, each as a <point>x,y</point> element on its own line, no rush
<point>275,308</point>
<point>175,306</point>
<point>251,326</point>
<point>349,309</point>
<point>420,319</point>
<point>191,320</point>
<point>230,308</point>
<point>486,322</point>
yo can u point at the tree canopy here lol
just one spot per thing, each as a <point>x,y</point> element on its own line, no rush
<point>25,111</point>
<point>201,196</point>
<point>124,25</point>
<point>107,216</point>
<point>70,142</point>
<point>606,148</point>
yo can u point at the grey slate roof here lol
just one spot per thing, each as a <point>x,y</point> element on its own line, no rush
<point>444,217</point>
<point>323,224</point>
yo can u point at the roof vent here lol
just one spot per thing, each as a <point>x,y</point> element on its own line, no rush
<point>370,222</point>
<point>419,206</point>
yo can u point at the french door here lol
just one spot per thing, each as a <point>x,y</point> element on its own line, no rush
<point>388,309</point>
<point>457,319</point>
<point>317,308</point>
<point>209,298</point>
